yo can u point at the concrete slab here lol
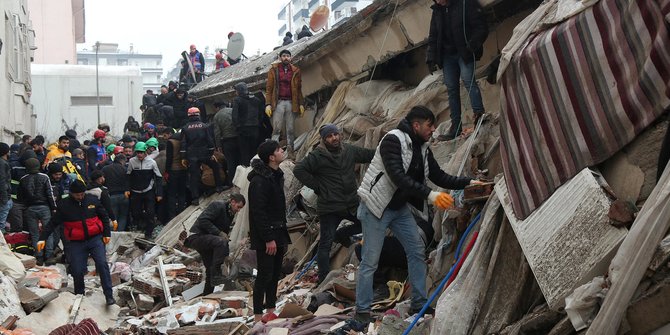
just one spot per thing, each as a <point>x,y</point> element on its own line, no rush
<point>568,240</point>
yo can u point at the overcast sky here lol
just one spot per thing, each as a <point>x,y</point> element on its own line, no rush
<point>168,27</point>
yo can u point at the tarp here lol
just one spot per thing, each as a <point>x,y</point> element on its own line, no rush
<point>580,91</point>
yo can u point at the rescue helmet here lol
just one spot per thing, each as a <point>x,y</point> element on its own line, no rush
<point>110,148</point>
<point>193,111</point>
<point>99,134</point>
<point>141,146</point>
<point>118,149</point>
<point>149,126</point>
<point>152,142</point>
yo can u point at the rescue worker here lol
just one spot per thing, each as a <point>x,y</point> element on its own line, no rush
<point>176,176</point>
<point>145,189</point>
<point>85,225</point>
<point>209,236</point>
<point>197,147</point>
<point>96,152</point>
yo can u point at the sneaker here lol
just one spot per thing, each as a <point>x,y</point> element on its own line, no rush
<point>480,115</point>
<point>110,301</point>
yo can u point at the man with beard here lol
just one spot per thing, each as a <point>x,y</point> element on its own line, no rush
<point>329,171</point>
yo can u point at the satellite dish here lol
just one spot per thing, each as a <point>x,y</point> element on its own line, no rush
<point>319,18</point>
<point>235,46</point>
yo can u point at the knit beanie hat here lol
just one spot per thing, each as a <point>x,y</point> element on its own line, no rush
<point>55,167</point>
<point>32,165</point>
<point>328,129</point>
<point>4,148</point>
<point>96,174</point>
<point>77,186</point>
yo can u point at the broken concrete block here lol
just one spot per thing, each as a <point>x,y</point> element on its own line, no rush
<point>8,299</point>
<point>661,256</point>
<point>649,312</point>
<point>34,298</point>
<point>567,240</point>
<point>173,270</point>
<point>144,302</point>
<point>28,261</point>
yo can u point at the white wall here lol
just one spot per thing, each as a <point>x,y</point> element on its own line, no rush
<point>15,82</point>
<point>54,27</point>
<point>54,85</point>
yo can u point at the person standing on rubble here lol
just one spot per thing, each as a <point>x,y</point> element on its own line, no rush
<point>86,227</point>
<point>267,223</point>
<point>458,30</point>
<point>197,147</point>
<point>246,117</point>
<point>395,186</point>
<point>329,171</point>
<point>146,188</point>
<point>284,97</point>
<point>209,236</point>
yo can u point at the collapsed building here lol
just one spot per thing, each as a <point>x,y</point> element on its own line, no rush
<point>570,235</point>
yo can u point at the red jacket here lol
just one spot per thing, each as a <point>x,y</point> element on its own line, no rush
<point>80,220</point>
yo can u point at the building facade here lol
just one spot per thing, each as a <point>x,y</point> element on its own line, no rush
<point>16,52</point>
<point>109,54</point>
<point>59,26</point>
<point>296,13</point>
<point>65,98</point>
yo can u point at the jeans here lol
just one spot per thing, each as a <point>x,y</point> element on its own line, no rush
<point>404,227</point>
<point>120,207</point>
<point>31,217</point>
<point>265,286</point>
<point>232,153</point>
<point>176,193</point>
<point>328,226</point>
<point>283,115</point>
<point>78,252</point>
<point>455,67</point>
<point>213,250</point>
<point>4,212</point>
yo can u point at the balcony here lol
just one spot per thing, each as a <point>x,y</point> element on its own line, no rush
<point>282,30</point>
<point>337,4</point>
<point>312,3</point>
<point>282,14</point>
<point>300,14</point>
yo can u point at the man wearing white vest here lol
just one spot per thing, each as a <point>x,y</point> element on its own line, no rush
<point>393,189</point>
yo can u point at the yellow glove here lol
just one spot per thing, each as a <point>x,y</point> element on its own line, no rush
<point>115,225</point>
<point>268,110</point>
<point>302,110</point>
<point>184,163</point>
<point>441,200</point>
<point>40,245</point>
<point>105,240</point>
<point>126,194</point>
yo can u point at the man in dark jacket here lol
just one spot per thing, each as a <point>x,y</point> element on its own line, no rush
<point>74,142</point>
<point>85,225</point>
<point>192,101</point>
<point>178,102</point>
<point>304,32</point>
<point>209,236</point>
<point>393,188</point>
<point>197,147</point>
<point>267,223</point>
<point>36,193</point>
<point>98,189</point>
<point>115,175</point>
<point>458,30</point>
<point>246,116</point>
<point>176,176</point>
<point>5,185</point>
<point>329,171</point>
<point>288,39</point>
<point>226,138</point>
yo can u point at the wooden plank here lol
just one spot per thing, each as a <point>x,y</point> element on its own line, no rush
<point>164,283</point>
<point>75,309</point>
<point>631,261</point>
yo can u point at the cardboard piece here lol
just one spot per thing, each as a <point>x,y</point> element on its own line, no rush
<point>292,310</point>
<point>325,310</point>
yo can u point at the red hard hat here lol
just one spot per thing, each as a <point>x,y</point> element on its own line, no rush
<point>99,134</point>
<point>193,111</point>
<point>118,149</point>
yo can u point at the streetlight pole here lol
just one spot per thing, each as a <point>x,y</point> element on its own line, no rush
<point>97,79</point>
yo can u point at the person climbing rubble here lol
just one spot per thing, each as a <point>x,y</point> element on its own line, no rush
<point>395,186</point>
<point>146,188</point>
<point>329,171</point>
<point>267,223</point>
<point>86,227</point>
<point>284,98</point>
<point>209,236</point>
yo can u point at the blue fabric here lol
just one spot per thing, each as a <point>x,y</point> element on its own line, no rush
<point>120,207</point>
<point>455,69</point>
<point>404,227</point>
<point>4,212</point>
<point>78,253</point>
<point>31,217</point>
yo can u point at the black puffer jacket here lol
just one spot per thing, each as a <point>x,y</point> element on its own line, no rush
<point>216,218</point>
<point>35,189</point>
<point>447,35</point>
<point>246,112</point>
<point>267,206</point>
<point>411,186</point>
<point>197,139</point>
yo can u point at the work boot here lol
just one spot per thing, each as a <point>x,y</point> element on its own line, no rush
<point>479,115</point>
<point>451,134</point>
<point>110,301</point>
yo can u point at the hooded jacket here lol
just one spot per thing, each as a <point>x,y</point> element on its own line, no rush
<point>35,189</point>
<point>216,218</point>
<point>272,88</point>
<point>332,176</point>
<point>392,175</point>
<point>450,35</point>
<point>246,109</point>
<point>267,206</point>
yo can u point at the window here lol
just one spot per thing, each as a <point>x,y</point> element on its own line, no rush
<point>82,61</point>
<point>338,14</point>
<point>158,78</point>
<point>122,62</point>
<point>12,48</point>
<point>158,63</point>
<point>91,101</point>
<point>354,10</point>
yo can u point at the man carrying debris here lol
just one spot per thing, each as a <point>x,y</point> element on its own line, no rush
<point>329,171</point>
<point>458,30</point>
<point>85,225</point>
<point>267,223</point>
<point>284,97</point>
<point>393,188</point>
<point>210,237</point>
